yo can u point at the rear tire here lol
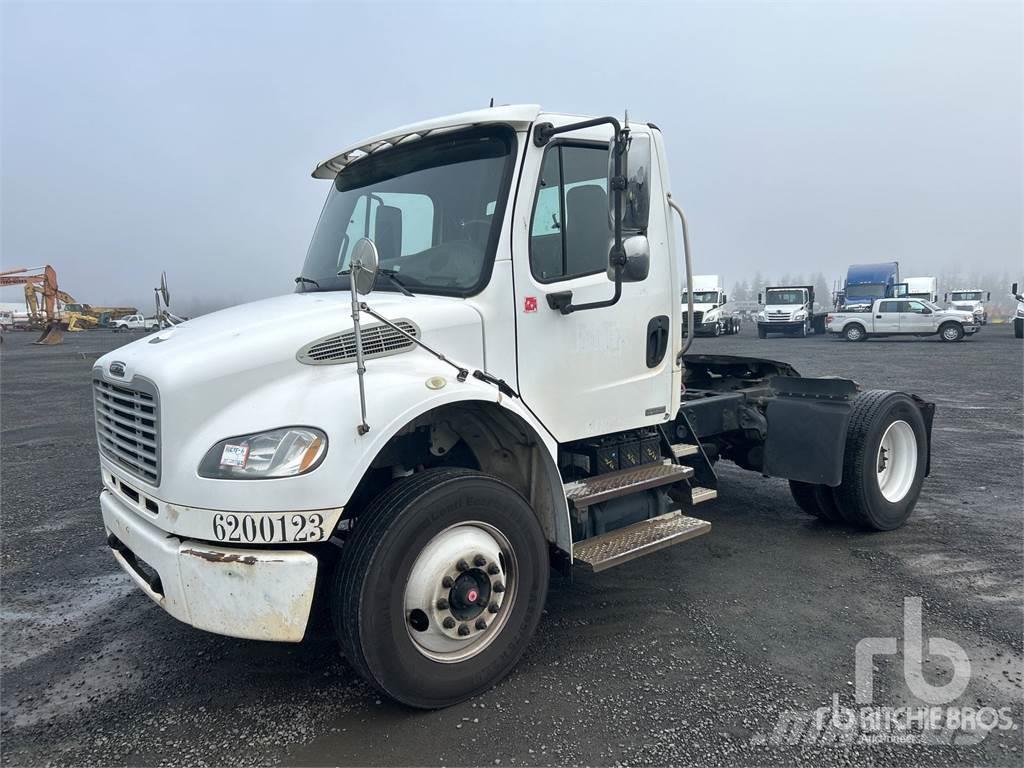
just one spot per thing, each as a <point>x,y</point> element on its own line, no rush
<point>854,332</point>
<point>951,332</point>
<point>815,499</point>
<point>405,535</point>
<point>884,462</point>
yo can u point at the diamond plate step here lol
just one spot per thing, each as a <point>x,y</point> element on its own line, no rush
<point>593,490</point>
<point>700,495</point>
<point>610,549</point>
<point>679,450</point>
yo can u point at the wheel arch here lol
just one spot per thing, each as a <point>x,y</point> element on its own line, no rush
<point>498,439</point>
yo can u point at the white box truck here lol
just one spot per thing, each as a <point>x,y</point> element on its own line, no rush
<point>481,374</point>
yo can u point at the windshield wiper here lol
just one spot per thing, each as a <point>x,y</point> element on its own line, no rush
<point>392,275</point>
<point>304,280</point>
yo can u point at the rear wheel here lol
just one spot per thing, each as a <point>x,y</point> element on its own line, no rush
<point>885,459</point>
<point>440,586</point>
<point>815,499</point>
<point>854,332</point>
<point>951,332</point>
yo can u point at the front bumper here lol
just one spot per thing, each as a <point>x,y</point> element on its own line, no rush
<point>259,594</point>
<point>781,325</point>
<point>969,329</point>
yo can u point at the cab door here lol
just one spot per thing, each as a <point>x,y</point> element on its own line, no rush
<point>595,371</point>
<point>915,317</point>
<point>887,317</point>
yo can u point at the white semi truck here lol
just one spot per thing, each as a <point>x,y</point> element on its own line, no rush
<point>1018,315</point>
<point>480,374</point>
<point>711,314</point>
<point>970,300</point>
<point>789,310</point>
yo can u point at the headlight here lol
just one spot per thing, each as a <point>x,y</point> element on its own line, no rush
<point>281,452</point>
<point>761,315</point>
<point>800,314</point>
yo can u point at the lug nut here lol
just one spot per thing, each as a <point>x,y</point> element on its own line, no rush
<point>449,622</point>
<point>499,587</point>
<point>463,630</point>
<point>447,582</point>
<point>442,604</point>
<point>479,561</point>
<point>493,569</point>
<point>481,624</point>
<point>462,565</point>
<point>493,607</point>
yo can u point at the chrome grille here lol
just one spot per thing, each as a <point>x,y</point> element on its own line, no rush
<point>776,317</point>
<point>128,426</point>
<point>698,316</point>
<point>379,340</point>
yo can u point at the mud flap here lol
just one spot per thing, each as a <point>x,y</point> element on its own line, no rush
<point>807,423</point>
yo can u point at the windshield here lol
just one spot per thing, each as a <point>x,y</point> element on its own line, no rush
<point>702,297</point>
<point>966,296</point>
<point>432,207</point>
<point>790,296</point>
<point>866,290</point>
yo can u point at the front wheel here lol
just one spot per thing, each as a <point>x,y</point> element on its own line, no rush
<point>1018,327</point>
<point>884,462</point>
<point>440,586</point>
<point>761,333</point>
<point>951,332</point>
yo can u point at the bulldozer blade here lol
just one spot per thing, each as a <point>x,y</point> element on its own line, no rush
<point>52,334</point>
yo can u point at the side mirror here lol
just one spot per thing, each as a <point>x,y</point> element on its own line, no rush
<point>988,296</point>
<point>638,260</point>
<point>759,299</point>
<point>725,299</point>
<point>363,265</point>
<point>636,189</point>
<point>1013,289</point>
<point>926,311</point>
<point>945,297</point>
<point>935,298</point>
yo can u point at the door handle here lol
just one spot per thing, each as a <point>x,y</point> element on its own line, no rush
<point>657,340</point>
<point>878,317</point>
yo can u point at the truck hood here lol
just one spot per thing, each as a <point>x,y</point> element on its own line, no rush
<point>266,334</point>
<point>967,306</point>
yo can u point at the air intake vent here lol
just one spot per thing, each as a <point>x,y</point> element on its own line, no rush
<point>379,340</point>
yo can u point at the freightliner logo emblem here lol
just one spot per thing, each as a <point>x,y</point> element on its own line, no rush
<point>117,368</point>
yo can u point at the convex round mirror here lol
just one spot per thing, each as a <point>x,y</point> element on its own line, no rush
<point>364,264</point>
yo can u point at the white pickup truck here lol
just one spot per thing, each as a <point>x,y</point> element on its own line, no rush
<point>136,323</point>
<point>902,317</point>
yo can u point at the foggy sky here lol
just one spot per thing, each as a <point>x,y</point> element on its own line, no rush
<point>802,137</point>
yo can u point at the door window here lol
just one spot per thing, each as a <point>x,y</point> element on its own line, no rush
<point>889,306</point>
<point>912,306</point>
<point>570,235</point>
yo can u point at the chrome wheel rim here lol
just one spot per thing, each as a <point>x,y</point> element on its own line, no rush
<point>853,333</point>
<point>460,592</point>
<point>950,333</point>
<point>896,461</point>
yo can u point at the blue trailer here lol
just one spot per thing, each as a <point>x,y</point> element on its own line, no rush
<point>867,282</point>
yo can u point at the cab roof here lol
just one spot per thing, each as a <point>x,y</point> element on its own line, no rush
<point>519,116</point>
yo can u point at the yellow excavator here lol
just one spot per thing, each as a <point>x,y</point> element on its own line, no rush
<point>43,300</point>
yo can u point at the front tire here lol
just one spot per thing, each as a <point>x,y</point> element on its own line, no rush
<point>440,586</point>
<point>1018,328</point>
<point>951,332</point>
<point>884,462</point>
<point>761,333</point>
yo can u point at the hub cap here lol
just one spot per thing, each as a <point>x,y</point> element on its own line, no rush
<point>896,464</point>
<point>460,591</point>
<point>950,332</point>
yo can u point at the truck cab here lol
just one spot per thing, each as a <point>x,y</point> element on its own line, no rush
<point>788,310</point>
<point>970,300</point>
<point>926,288</point>
<point>480,375</point>
<point>1018,315</point>
<point>907,317</point>
<point>866,283</point>
<point>711,316</point>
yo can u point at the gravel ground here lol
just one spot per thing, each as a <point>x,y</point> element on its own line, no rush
<point>687,656</point>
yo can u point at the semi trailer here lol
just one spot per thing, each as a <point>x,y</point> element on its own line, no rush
<point>711,315</point>
<point>479,376</point>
